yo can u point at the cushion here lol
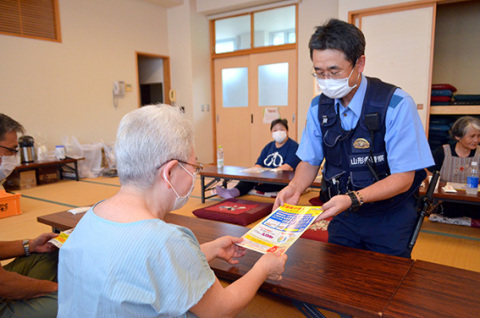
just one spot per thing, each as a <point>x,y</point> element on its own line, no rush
<point>263,194</point>
<point>442,92</point>
<point>317,231</point>
<point>465,221</point>
<point>444,86</point>
<point>441,98</point>
<point>236,211</point>
<point>466,98</point>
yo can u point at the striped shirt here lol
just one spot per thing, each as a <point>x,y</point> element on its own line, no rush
<point>147,268</point>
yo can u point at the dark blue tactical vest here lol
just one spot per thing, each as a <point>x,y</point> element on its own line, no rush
<point>357,158</point>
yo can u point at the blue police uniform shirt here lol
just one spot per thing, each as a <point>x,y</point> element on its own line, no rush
<point>273,157</point>
<point>405,140</point>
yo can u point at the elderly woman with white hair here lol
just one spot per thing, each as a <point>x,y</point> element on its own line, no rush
<point>123,260</point>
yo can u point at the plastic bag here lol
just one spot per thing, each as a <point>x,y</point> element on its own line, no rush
<point>73,149</point>
<point>91,166</point>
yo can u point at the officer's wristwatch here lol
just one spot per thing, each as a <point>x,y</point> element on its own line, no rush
<point>355,202</point>
<point>26,247</point>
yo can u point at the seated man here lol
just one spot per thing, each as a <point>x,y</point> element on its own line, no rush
<point>277,154</point>
<point>27,284</point>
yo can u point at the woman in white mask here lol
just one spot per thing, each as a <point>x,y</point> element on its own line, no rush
<point>278,154</point>
<point>123,260</point>
<point>8,146</point>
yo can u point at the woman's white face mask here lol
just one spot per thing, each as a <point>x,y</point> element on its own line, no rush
<point>181,200</point>
<point>279,136</point>
<point>336,88</point>
<point>7,166</point>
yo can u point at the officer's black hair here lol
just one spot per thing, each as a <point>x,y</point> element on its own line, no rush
<point>341,36</point>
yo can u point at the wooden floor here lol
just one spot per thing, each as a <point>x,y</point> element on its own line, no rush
<point>452,245</point>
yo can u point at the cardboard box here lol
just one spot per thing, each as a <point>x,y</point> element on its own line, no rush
<point>20,180</point>
<point>9,204</point>
<point>47,175</point>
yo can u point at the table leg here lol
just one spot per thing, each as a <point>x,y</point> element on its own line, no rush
<point>76,170</point>
<point>311,311</point>
<point>202,185</point>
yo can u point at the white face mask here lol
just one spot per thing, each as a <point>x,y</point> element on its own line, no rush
<point>7,166</point>
<point>180,201</point>
<point>279,136</point>
<point>336,88</point>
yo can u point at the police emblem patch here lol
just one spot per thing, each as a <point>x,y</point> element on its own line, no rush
<point>361,143</point>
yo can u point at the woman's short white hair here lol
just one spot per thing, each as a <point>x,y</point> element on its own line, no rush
<point>147,138</point>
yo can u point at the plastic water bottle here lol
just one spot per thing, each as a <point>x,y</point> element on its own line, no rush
<point>220,157</point>
<point>60,152</point>
<point>472,179</point>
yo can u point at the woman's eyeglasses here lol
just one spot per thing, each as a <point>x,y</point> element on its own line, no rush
<point>198,167</point>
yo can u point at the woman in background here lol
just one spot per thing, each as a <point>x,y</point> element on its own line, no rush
<point>278,154</point>
<point>453,161</point>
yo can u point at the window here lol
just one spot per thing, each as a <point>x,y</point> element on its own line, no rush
<point>30,18</point>
<point>270,27</point>
<point>235,87</point>
<point>273,84</point>
<point>232,34</point>
<point>275,27</point>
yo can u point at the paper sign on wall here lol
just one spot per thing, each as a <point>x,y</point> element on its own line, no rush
<point>270,114</point>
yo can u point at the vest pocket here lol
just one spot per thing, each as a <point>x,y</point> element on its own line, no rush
<point>361,179</point>
<point>332,149</point>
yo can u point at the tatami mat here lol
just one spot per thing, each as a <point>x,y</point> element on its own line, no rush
<point>447,250</point>
<point>26,225</point>
<point>68,192</point>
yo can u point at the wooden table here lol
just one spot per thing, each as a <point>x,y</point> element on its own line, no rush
<point>60,164</point>
<point>228,173</point>
<point>431,290</point>
<point>457,197</point>
<point>342,279</point>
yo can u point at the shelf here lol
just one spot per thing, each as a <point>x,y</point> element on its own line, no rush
<point>455,110</point>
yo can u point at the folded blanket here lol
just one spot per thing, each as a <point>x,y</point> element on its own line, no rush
<point>441,92</point>
<point>444,86</point>
<point>441,99</point>
<point>467,97</point>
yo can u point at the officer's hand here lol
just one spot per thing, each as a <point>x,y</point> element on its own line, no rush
<point>288,195</point>
<point>334,206</point>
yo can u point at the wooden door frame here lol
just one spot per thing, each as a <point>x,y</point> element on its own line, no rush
<point>214,56</point>
<point>166,75</point>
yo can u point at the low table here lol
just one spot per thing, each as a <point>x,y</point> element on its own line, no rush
<point>350,281</point>
<point>457,197</point>
<point>432,290</point>
<point>60,164</point>
<point>228,173</point>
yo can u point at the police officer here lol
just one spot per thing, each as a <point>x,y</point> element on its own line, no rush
<point>373,143</point>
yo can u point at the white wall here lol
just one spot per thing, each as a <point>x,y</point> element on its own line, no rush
<point>190,72</point>
<point>345,6</point>
<point>56,89</point>
<point>312,13</point>
<point>218,6</point>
